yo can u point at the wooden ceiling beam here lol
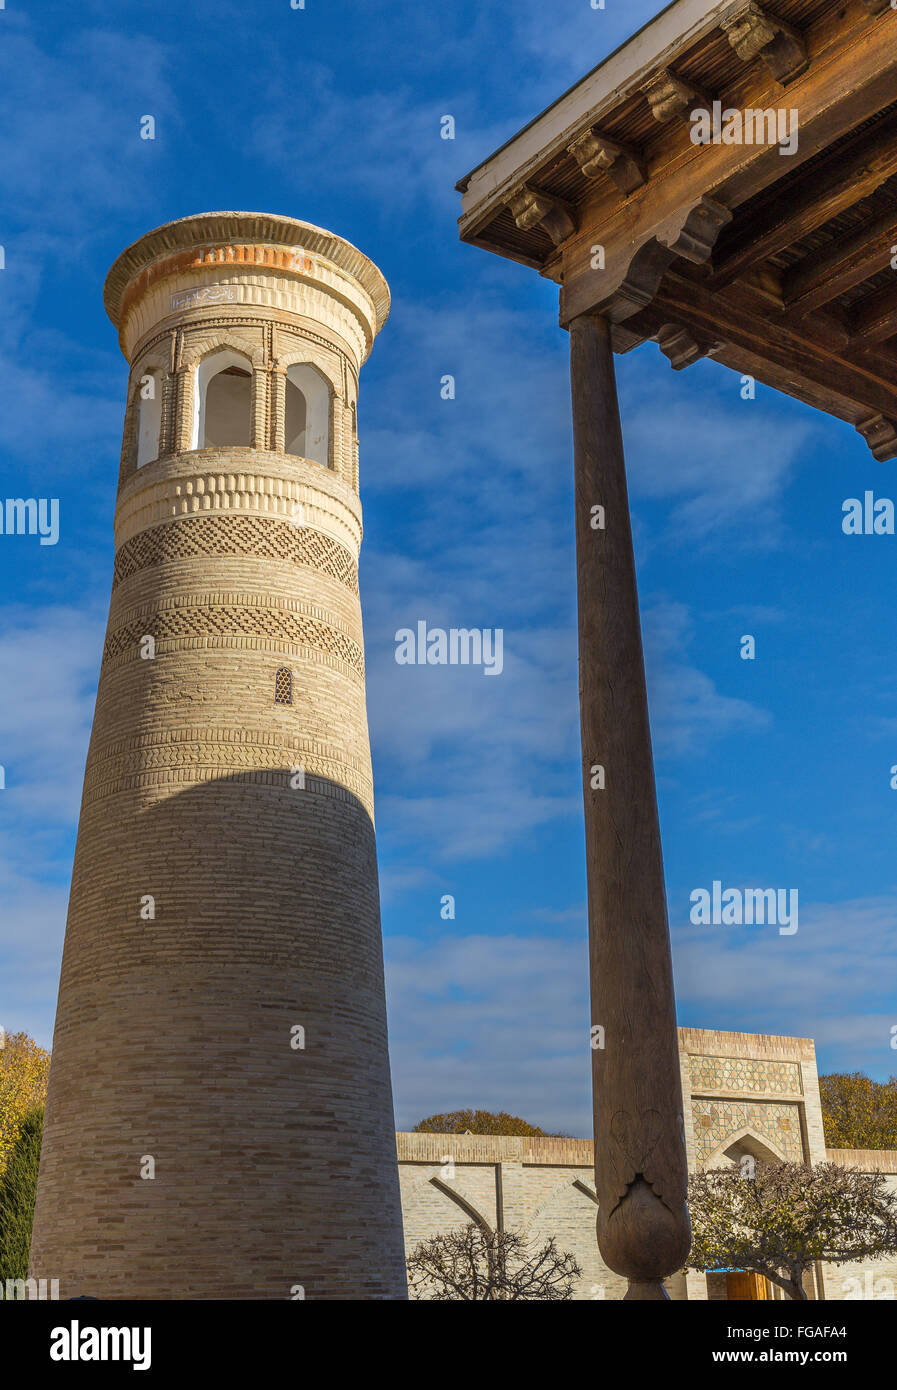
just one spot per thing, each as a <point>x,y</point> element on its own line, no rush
<point>875,319</point>
<point>805,378</point>
<point>796,350</point>
<point>823,276</point>
<point>853,75</point>
<point>844,179</point>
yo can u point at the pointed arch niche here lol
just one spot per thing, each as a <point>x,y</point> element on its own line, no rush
<point>307,413</point>
<point>743,1144</point>
<point>149,415</point>
<point>223,401</point>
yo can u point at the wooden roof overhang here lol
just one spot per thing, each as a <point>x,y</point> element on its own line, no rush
<point>778,265</point>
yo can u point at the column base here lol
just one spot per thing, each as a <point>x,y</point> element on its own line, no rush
<point>646,1289</point>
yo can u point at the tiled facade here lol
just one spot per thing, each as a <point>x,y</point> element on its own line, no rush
<point>717,1122</point>
<point>743,1094</point>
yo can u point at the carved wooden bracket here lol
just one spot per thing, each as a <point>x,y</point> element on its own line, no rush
<point>693,235</point>
<point>755,34</point>
<point>670,96</point>
<point>596,154</point>
<point>880,434</point>
<point>677,343</point>
<point>531,207</point>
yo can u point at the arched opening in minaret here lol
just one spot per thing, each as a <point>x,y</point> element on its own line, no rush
<point>283,686</point>
<point>223,401</point>
<point>149,417</point>
<point>307,413</point>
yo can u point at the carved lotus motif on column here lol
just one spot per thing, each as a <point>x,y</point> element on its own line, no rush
<point>642,1226</point>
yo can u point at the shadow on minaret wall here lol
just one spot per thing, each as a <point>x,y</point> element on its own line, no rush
<point>219,1122</point>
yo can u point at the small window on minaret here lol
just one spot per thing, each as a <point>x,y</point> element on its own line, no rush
<point>283,686</point>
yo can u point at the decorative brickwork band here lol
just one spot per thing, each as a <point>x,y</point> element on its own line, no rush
<point>167,426</point>
<point>258,424</point>
<point>202,621</point>
<point>244,535</point>
<point>278,409</point>
<point>183,424</point>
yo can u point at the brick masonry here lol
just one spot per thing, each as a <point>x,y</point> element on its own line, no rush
<point>274,1165</point>
<point>737,1089</point>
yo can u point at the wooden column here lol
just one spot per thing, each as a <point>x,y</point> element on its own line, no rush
<point>641,1170</point>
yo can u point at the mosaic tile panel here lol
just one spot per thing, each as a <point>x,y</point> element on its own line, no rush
<point>744,1074</point>
<point>716,1121</point>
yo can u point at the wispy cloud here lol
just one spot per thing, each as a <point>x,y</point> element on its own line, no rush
<point>501,1022</point>
<point>695,450</point>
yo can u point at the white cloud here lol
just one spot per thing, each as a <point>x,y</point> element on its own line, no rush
<point>832,981</point>
<point>491,1022</point>
<point>721,467</point>
<point>688,713</point>
<point>72,148</point>
<point>501,1022</point>
<point>49,662</point>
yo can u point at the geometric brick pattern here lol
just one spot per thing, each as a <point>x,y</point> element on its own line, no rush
<point>209,621</point>
<point>747,1074</point>
<point>716,1121</point>
<point>244,535</point>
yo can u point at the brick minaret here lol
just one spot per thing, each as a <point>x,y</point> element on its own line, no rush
<point>219,1122</point>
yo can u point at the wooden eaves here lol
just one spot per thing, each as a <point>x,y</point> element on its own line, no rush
<point>779,265</point>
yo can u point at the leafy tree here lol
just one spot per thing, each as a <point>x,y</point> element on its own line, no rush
<point>787,1216</point>
<point>18,1186</point>
<point>857,1112</point>
<point>24,1068</point>
<point>474,1265</point>
<point>477,1122</point>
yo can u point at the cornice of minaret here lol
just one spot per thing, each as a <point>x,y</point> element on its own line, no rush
<point>267,261</point>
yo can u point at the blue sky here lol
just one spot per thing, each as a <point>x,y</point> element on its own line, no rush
<point>771,773</point>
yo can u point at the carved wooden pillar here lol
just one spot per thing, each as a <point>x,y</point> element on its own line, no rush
<point>184,404</point>
<point>278,408</point>
<point>641,1169</point>
<point>258,411</point>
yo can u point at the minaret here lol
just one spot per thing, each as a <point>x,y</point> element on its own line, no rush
<point>219,1121</point>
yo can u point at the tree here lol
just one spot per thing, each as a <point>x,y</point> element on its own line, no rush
<point>477,1122</point>
<point>24,1068</point>
<point>473,1265</point>
<point>18,1186</point>
<point>857,1112</point>
<point>787,1216</point>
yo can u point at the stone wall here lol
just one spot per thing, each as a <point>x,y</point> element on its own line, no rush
<point>743,1094</point>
